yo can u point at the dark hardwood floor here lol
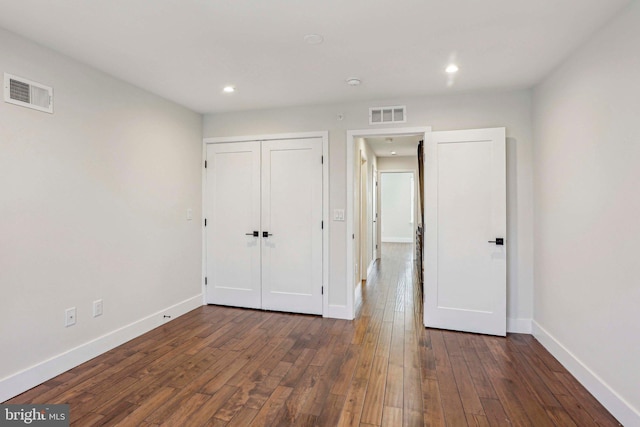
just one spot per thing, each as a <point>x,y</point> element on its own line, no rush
<point>221,366</point>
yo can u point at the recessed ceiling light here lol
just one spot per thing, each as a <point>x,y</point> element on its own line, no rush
<point>313,39</point>
<point>353,81</point>
<point>452,69</point>
<point>393,153</point>
<point>229,89</point>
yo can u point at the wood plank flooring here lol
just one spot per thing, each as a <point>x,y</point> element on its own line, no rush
<point>221,366</point>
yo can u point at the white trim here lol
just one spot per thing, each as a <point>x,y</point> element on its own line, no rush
<point>28,378</point>
<point>263,137</point>
<point>326,308</point>
<point>202,227</point>
<point>351,136</point>
<point>621,409</point>
<point>397,240</point>
<point>518,326</point>
<point>371,265</point>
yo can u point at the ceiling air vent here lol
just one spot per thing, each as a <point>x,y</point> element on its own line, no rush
<point>384,115</point>
<point>20,91</point>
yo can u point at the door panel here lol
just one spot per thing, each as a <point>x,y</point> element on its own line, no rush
<point>292,214</point>
<point>465,208</point>
<point>233,209</point>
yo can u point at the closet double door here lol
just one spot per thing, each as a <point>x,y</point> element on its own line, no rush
<point>264,224</point>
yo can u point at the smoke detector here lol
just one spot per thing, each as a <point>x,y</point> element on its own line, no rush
<point>353,81</point>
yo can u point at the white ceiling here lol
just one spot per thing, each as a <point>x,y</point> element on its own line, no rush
<point>402,145</point>
<point>187,50</point>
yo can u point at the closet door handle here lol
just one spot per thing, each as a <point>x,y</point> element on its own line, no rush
<point>254,234</point>
<point>266,234</point>
<point>499,241</point>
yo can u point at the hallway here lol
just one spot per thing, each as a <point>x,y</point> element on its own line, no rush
<point>223,366</point>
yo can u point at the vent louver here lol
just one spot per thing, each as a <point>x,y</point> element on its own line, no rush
<point>26,93</point>
<point>384,115</point>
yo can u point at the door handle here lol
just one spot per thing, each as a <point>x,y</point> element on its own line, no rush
<point>499,241</point>
<point>254,234</point>
<point>266,234</point>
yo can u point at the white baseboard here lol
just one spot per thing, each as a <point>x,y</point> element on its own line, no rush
<point>518,326</point>
<point>397,240</point>
<point>621,409</point>
<point>358,297</point>
<point>28,378</point>
<point>371,265</point>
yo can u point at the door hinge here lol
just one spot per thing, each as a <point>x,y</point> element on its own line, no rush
<point>322,160</point>
<point>205,280</point>
<point>322,225</point>
<point>353,236</point>
<point>322,291</point>
<point>205,222</point>
<point>205,164</point>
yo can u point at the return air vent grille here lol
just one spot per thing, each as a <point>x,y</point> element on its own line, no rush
<point>26,93</point>
<point>384,115</point>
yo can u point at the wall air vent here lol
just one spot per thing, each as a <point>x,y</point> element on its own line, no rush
<point>20,91</point>
<point>384,115</point>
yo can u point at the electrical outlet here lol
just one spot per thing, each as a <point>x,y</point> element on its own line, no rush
<point>70,316</point>
<point>97,308</point>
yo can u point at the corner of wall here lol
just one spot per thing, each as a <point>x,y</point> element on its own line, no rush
<point>621,409</point>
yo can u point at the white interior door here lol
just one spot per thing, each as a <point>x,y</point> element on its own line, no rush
<point>465,209</point>
<point>292,219</point>
<point>233,214</point>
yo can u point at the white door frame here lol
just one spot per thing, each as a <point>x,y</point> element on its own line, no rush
<point>351,138</point>
<point>374,214</point>
<point>325,202</point>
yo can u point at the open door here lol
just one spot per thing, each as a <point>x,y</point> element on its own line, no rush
<point>465,231</point>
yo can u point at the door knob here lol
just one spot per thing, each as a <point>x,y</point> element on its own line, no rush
<point>254,234</point>
<point>499,241</point>
<point>266,234</point>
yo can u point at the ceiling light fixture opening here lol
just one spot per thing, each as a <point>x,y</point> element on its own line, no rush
<point>353,81</point>
<point>313,39</point>
<point>229,89</point>
<point>452,69</point>
<point>393,153</point>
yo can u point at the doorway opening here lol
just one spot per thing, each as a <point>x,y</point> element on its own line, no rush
<point>398,216</point>
<point>372,155</point>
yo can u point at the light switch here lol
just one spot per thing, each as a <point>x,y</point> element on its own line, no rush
<point>189,214</point>
<point>338,214</point>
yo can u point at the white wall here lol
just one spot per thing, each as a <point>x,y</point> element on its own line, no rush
<point>92,206</point>
<point>446,112</point>
<point>398,223</point>
<point>587,216</point>
<point>366,239</point>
